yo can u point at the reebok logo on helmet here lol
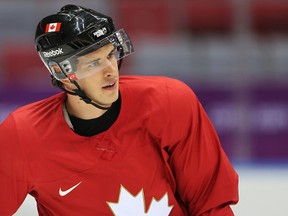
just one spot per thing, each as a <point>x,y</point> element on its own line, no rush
<point>53,53</point>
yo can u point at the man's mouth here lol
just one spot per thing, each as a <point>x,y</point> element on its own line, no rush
<point>110,86</point>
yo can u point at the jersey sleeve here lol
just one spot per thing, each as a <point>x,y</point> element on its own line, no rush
<point>205,180</point>
<point>13,169</point>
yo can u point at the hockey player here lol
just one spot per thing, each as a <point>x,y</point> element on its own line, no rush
<point>109,144</point>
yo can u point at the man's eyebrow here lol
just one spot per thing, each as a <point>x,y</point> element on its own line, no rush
<point>98,59</point>
<point>93,60</point>
<point>114,48</point>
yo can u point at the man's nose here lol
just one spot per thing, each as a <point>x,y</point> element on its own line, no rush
<point>111,68</point>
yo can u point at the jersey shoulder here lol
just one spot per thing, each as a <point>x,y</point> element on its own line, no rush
<point>156,86</point>
<point>147,81</point>
<point>40,109</point>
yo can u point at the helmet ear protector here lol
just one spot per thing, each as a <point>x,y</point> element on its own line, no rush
<point>56,70</point>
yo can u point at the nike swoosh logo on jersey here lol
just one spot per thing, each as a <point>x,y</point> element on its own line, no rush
<point>64,193</point>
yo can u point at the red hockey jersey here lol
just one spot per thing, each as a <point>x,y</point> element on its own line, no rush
<point>161,157</point>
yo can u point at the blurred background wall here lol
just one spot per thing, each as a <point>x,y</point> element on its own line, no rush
<point>233,54</point>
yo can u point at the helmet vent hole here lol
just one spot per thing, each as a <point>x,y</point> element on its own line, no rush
<point>78,44</point>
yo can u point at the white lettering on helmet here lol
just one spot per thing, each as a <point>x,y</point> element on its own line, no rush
<point>100,32</point>
<point>120,38</point>
<point>53,53</point>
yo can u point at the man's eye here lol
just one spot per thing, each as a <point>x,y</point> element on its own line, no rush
<point>112,54</point>
<point>94,64</point>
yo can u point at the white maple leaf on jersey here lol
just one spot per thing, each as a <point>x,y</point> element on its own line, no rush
<point>135,205</point>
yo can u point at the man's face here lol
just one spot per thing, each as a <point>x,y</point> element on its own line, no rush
<point>99,75</point>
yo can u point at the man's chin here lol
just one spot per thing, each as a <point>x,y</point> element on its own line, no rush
<point>107,103</point>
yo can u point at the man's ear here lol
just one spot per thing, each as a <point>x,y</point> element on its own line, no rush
<point>65,81</point>
<point>66,84</point>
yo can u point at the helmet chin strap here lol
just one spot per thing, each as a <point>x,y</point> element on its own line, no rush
<point>80,93</point>
<point>85,98</point>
